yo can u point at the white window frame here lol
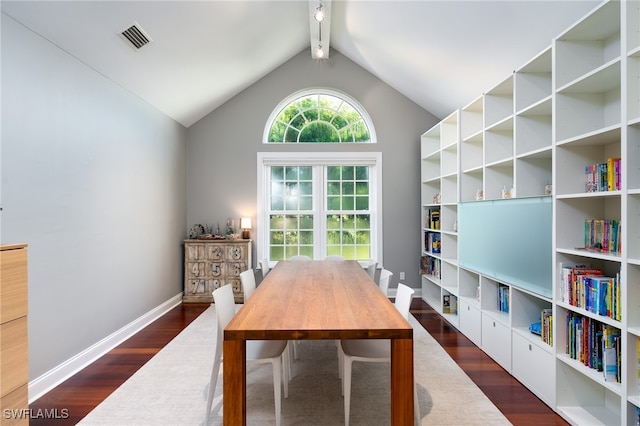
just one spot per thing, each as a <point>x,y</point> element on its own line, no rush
<point>371,159</point>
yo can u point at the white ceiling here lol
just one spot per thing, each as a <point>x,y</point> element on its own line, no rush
<point>440,54</point>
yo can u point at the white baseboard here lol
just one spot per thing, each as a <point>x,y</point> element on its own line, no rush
<point>52,378</point>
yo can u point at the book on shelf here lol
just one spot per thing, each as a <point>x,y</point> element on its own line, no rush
<point>503,298</point>
<point>430,266</point>
<point>546,321</point>
<point>604,176</point>
<point>589,289</point>
<point>432,220</point>
<point>595,345</point>
<point>611,355</point>
<point>602,235</point>
<point>432,242</point>
<point>449,304</point>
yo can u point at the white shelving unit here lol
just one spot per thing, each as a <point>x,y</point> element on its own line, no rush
<point>574,104</point>
<point>440,153</point>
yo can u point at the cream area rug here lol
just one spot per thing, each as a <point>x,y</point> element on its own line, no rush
<point>171,389</point>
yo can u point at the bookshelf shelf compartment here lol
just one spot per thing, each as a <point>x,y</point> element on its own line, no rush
<point>533,81</point>
<point>590,43</point>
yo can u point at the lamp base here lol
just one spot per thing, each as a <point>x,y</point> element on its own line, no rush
<point>246,235</point>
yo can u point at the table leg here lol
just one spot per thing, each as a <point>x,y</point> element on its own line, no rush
<point>234,371</point>
<point>402,382</point>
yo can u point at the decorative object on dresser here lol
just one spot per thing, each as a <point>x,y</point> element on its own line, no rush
<point>14,365</point>
<point>210,264</point>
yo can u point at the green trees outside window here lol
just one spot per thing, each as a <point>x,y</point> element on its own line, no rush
<point>319,118</point>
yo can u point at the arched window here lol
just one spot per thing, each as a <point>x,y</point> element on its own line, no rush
<point>319,116</point>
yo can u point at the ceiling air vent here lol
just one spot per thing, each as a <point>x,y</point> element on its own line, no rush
<point>135,36</point>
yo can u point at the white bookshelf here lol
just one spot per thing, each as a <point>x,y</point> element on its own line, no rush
<point>574,104</point>
<point>439,154</point>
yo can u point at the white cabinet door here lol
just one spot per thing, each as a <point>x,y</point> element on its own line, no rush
<point>496,341</point>
<point>533,366</point>
<point>470,322</point>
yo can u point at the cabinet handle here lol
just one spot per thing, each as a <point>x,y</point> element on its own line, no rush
<point>494,323</point>
<point>529,346</point>
<point>468,308</point>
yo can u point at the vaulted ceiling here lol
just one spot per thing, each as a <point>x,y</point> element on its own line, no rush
<point>440,54</point>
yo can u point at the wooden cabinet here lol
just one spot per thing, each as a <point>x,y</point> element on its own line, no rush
<point>209,264</point>
<point>14,366</point>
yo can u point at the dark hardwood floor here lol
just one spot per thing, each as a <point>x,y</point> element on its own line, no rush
<point>76,397</point>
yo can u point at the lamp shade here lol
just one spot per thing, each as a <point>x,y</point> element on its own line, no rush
<point>245,223</point>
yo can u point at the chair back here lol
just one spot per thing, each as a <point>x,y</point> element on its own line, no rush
<point>403,299</point>
<point>383,282</point>
<point>300,257</point>
<point>225,310</point>
<point>264,267</point>
<point>248,280</point>
<point>334,257</point>
<point>371,269</point>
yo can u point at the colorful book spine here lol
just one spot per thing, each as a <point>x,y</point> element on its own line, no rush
<point>602,235</point>
<point>604,176</point>
<point>594,344</point>
<point>503,298</point>
<point>546,319</point>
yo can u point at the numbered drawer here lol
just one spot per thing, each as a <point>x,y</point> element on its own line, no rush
<point>470,322</point>
<point>236,253</point>
<point>496,341</point>
<point>534,367</point>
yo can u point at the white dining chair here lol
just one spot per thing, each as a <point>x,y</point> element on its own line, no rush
<point>383,282</point>
<point>258,351</point>
<point>300,257</point>
<point>372,350</point>
<point>248,280</point>
<point>371,269</point>
<point>264,267</point>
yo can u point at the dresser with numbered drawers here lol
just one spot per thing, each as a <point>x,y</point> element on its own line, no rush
<point>210,264</point>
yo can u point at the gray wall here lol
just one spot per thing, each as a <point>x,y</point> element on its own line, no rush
<point>93,180</point>
<point>222,147</point>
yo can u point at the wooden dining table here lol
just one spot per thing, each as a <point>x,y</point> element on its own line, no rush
<point>313,300</point>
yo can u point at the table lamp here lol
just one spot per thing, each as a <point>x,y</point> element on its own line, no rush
<point>245,224</point>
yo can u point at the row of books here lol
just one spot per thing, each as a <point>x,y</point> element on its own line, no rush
<point>431,266</point>
<point>588,288</point>
<point>603,235</point>
<point>503,298</point>
<point>603,176</point>
<point>594,344</point>
<point>432,242</point>
<point>449,304</point>
<point>546,319</point>
<point>432,219</point>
